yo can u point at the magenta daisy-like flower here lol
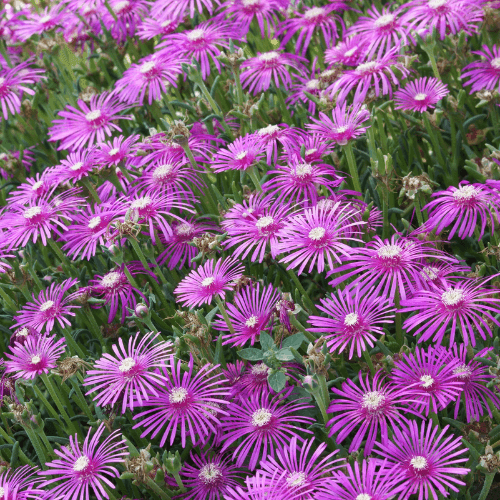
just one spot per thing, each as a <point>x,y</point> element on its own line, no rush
<point>244,12</point>
<point>485,73</point>
<point>261,424</point>
<point>465,303</point>
<point>315,148</point>
<point>203,43</point>
<point>209,476</point>
<point>21,335</point>
<point>300,181</point>
<point>258,231</point>
<point>351,52</point>
<point>37,355</point>
<point>429,378</point>
<point>317,237</point>
<point>426,459</point>
<point>38,23</point>
<point>377,76</point>
<point>119,151</point>
<point>250,314</point>
<point>271,136</point>
<point>394,264</point>
<point>303,83</point>
<point>241,154</point>
<point>345,124</point>
<point>271,67</point>
<point>83,469</point>
<point>374,406</point>
<point>257,488</point>
<point>129,374</point>
<point>150,76</point>
<point>305,469</point>
<point>448,17</point>
<point>74,167</point>
<point>179,7</point>
<point>159,26</point>
<point>13,83</point>
<point>420,95</point>
<point>370,480</point>
<point>353,320</point>
<point>116,290</point>
<point>90,123</point>
<point>32,188</point>
<point>191,401</point>
<point>50,306</point>
<point>20,484</point>
<point>382,30</point>
<point>212,279</point>
<point>125,15</point>
<point>313,20</point>
<point>463,208</point>
<point>441,274</point>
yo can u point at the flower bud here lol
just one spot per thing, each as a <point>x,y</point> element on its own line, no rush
<point>141,310</point>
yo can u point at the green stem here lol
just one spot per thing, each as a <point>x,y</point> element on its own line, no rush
<point>11,440</point>
<point>179,482</point>
<point>72,345</point>
<point>47,405</point>
<point>6,297</point>
<point>309,336</point>
<point>432,59</point>
<point>37,445</point>
<point>368,359</point>
<point>481,245</point>
<point>285,112</point>
<point>81,398</point>
<point>301,289</point>
<point>488,481</point>
<point>353,169</point>
<point>418,210</point>
<point>222,310</point>
<point>64,260</point>
<point>162,494</point>
<point>399,329</point>
<point>239,88</point>
<point>86,182</point>
<point>253,175</point>
<point>142,258</point>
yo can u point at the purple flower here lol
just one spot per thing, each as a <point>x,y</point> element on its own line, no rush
<point>438,274</point>
<point>299,180</point>
<point>81,469</point>
<point>13,83</point>
<point>37,355</point>
<point>270,67</point>
<point>427,462</point>
<point>258,489</point>
<point>429,378</point>
<point>116,152</point>
<point>485,73</point>
<point>420,95</point>
<point>89,124</point>
<point>244,12</point>
<point>315,148</point>
<point>250,314</point>
<point>466,303</point>
<point>209,476</point>
<point>258,231</point>
<point>303,468</point>
<point>317,237</point>
<point>129,374</point>
<point>212,279</point>
<point>116,289</point>
<point>127,15</point>
<point>303,83</point>
<point>382,30</point>
<point>186,400</point>
<point>179,7</point>
<point>21,335</point>
<point>448,17</point>
<point>36,24</point>
<point>49,306</point>
<point>307,24</point>
<point>20,484</point>
<point>77,165</point>
<point>373,406</point>
<point>241,154</point>
<point>462,207</point>
<point>369,480</point>
<point>150,75</point>
<point>33,188</point>
<point>351,52</point>
<point>355,320</point>
<point>395,263</point>
<point>345,125</point>
<point>375,75</point>
<point>261,424</point>
<point>269,137</point>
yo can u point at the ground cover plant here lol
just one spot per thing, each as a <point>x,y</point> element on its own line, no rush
<point>249,250</point>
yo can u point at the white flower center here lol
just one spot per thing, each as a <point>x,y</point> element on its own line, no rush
<point>24,332</point>
<point>81,463</point>
<point>241,155</point>
<point>178,395</point>
<point>93,115</point>
<point>313,84</point>
<point>209,473</point>
<point>35,359</point>
<point>351,319</point>
<point>269,130</point>
<point>462,371</point>
<point>389,251</point>
<point>141,202</point>
<point>162,171</point>
<point>427,381</point>
<point>350,52</point>
<point>465,193</point>
<point>418,462</point>
<point>147,67</point>
<point>452,297</point>
<point>317,233</point>
<point>76,166</point>
<point>126,365</point>
<point>265,221</point>
<point>251,321</point>
<point>311,151</point>
<point>120,6</point>
<point>420,97</point>
<point>366,67</point>
<point>32,212</point>
<point>295,479</point>
<point>341,130</point>
<point>430,273</point>
<point>110,280</point>
<point>250,3</point>
<point>261,417</point>
<point>45,19</point>
<point>303,169</point>
<point>207,281</point>
<point>373,400</point>
<point>46,305</point>
<point>183,229</point>
<point>195,35</point>
<point>269,56</point>
<point>384,21</point>
<point>260,369</point>
<point>94,222</point>
<point>166,23</point>
<point>496,62</point>
<point>113,152</point>
<point>435,4</point>
<point>37,185</point>
<point>364,496</point>
<point>314,12</point>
